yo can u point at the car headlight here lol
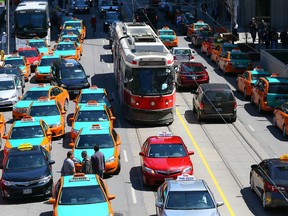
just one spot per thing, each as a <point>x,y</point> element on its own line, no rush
<point>111,159</point>
<point>147,169</point>
<point>56,125</point>
<point>8,183</point>
<point>64,86</point>
<point>106,23</point>
<point>45,179</point>
<point>187,169</point>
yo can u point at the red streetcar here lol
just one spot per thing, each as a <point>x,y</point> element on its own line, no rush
<point>164,156</point>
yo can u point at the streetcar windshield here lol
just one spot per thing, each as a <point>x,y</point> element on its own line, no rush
<point>150,81</point>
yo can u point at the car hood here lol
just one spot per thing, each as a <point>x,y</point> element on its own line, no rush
<point>44,69</point>
<point>43,50</point>
<point>7,93</point>
<point>167,163</point>
<point>108,152</point>
<point>31,60</point>
<point>79,125</point>
<point>23,104</point>
<point>50,120</point>
<point>65,52</point>
<point>76,210</point>
<point>26,175</point>
<point>200,212</point>
<point>32,141</point>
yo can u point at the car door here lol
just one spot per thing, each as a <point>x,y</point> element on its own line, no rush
<point>258,91</point>
<point>242,80</point>
<point>222,61</point>
<point>281,115</point>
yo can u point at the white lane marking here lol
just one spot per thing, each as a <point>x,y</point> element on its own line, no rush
<point>133,196</point>
<point>125,155</point>
<point>252,129</point>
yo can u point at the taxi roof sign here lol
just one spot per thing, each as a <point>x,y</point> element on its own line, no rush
<point>27,119</point>
<point>186,177</point>
<point>79,177</point>
<point>165,134</point>
<point>43,98</point>
<point>92,103</point>
<point>284,157</point>
<point>93,87</point>
<point>96,127</point>
<point>41,85</point>
<point>25,146</point>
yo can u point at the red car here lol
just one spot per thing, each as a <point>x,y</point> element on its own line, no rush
<point>32,55</point>
<point>191,74</point>
<point>164,156</point>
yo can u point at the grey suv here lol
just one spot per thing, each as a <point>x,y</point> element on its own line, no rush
<point>215,101</point>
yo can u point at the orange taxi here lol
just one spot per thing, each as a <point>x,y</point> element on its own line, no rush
<point>200,24</point>
<point>210,43</point>
<point>234,61</point>
<point>2,127</point>
<point>77,24</point>
<point>280,118</point>
<point>221,49</point>
<point>168,37</point>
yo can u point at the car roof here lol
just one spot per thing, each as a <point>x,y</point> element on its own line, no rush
<point>215,86</point>
<point>44,103</point>
<point>277,79</point>
<point>187,185</point>
<point>72,181</point>
<point>164,140</point>
<point>92,90</point>
<point>88,107</point>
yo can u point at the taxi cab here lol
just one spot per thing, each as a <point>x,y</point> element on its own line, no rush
<point>93,93</point>
<point>51,113</point>
<point>73,38</point>
<point>164,156</point>
<point>199,36</point>
<point>2,127</point>
<point>221,49</point>
<point>70,30</point>
<point>32,55</point>
<point>26,172</point>
<point>245,81</point>
<point>21,62</point>
<point>200,24</point>
<point>211,42</point>
<point>89,114</point>
<point>41,44</point>
<point>269,181</point>
<point>234,61</point>
<point>168,37</point>
<point>81,194</point>
<point>280,118</point>
<point>34,93</point>
<point>29,131</point>
<point>269,92</point>
<point>67,49</point>
<point>78,24</point>
<point>186,195</point>
<point>43,70</point>
<point>109,144</point>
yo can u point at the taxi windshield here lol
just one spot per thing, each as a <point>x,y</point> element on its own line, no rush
<point>73,24</point>
<point>99,97</point>
<point>47,61</point>
<point>239,56</point>
<point>69,31</point>
<point>88,141</point>
<point>166,32</point>
<point>34,131</point>
<point>7,85</point>
<point>278,88</point>
<point>62,47</point>
<point>14,62</point>
<point>189,200</point>
<point>37,111</point>
<point>92,116</point>
<point>166,151</point>
<point>81,195</point>
<point>34,95</point>
<point>25,161</point>
<point>28,53</point>
<point>38,44</point>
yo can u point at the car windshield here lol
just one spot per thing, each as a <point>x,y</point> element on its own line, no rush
<point>239,56</point>
<point>38,44</point>
<point>47,61</point>
<point>70,31</point>
<point>27,132</point>
<point>190,68</point>
<point>189,200</point>
<point>25,161</point>
<point>174,150</point>
<point>14,62</point>
<point>91,116</point>
<point>14,71</point>
<point>75,72</point>
<point>278,88</point>
<point>99,97</point>
<point>166,32</point>
<point>280,173</point>
<point>218,96</point>
<point>28,53</point>
<point>73,39</point>
<point>73,25</point>
<point>81,195</point>
<point>88,141</point>
<point>34,95</point>
<point>182,52</point>
<point>37,111</point>
<point>257,76</point>
<point>68,46</point>
<point>7,85</point>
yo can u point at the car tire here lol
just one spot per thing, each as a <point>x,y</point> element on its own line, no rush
<point>233,119</point>
<point>252,99</point>
<point>199,118</point>
<point>274,121</point>
<point>284,131</point>
<point>194,108</point>
<point>66,105</point>
<point>260,111</point>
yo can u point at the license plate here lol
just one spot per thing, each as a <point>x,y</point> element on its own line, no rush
<point>27,191</point>
<point>76,92</point>
<point>192,77</point>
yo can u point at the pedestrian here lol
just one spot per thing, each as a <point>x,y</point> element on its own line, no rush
<point>179,21</point>
<point>267,38</point>
<point>4,42</point>
<point>283,38</point>
<point>98,162</point>
<point>261,31</point>
<point>93,22</point>
<point>274,38</point>
<point>86,163</point>
<point>68,167</point>
<point>235,32</point>
<point>253,29</point>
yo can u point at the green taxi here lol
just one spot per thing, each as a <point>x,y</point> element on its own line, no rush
<point>67,50</point>
<point>21,62</point>
<point>41,44</point>
<point>81,194</point>
<point>43,70</point>
<point>109,143</point>
<point>73,38</point>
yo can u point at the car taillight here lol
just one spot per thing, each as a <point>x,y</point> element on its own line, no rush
<point>137,17</point>
<point>235,105</point>
<point>272,188</point>
<point>175,58</point>
<point>201,106</point>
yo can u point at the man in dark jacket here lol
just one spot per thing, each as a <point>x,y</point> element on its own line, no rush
<point>86,163</point>
<point>98,162</point>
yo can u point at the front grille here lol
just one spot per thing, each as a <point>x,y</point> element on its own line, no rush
<point>27,183</point>
<point>168,172</point>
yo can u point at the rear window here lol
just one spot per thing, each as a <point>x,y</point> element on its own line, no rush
<point>218,96</point>
<point>280,173</point>
<point>278,88</point>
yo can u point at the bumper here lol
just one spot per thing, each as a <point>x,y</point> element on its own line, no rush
<point>275,199</point>
<point>8,103</point>
<point>204,115</point>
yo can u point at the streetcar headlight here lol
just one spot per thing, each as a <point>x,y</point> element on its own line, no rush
<point>152,103</point>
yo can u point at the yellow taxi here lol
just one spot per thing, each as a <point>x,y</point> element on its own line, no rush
<point>28,131</point>
<point>109,144</point>
<point>234,61</point>
<point>168,37</point>
<point>2,127</point>
<point>280,118</point>
<point>199,25</point>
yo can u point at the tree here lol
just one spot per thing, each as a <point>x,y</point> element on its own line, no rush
<point>231,7</point>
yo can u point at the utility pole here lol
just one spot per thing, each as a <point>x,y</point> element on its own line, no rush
<point>8,25</point>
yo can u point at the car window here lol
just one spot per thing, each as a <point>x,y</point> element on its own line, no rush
<point>25,162</point>
<point>90,116</point>
<point>166,151</point>
<point>278,88</point>
<point>34,95</point>
<point>280,173</point>
<point>88,141</point>
<point>27,132</point>
<point>218,96</point>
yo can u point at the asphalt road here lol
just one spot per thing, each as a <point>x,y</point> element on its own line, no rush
<point>223,152</point>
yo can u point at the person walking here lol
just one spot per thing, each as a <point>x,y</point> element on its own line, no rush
<point>4,42</point>
<point>283,38</point>
<point>98,162</point>
<point>253,29</point>
<point>93,22</point>
<point>274,38</point>
<point>235,32</point>
<point>86,163</point>
<point>261,31</point>
<point>68,167</point>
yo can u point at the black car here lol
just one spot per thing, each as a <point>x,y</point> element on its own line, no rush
<point>27,172</point>
<point>147,15</point>
<point>214,101</point>
<point>69,74</point>
<point>110,17</point>
<point>9,69</point>
<point>269,179</point>
<point>80,6</point>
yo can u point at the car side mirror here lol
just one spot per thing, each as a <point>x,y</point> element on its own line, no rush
<point>4,136</point>
<point>141,154</point>
<point>72,145</point>
<point>51,162</point>
<point>63,112</point>
<point>190,152</point>
<point>218,204</point>
<point>75,100</point>
<point>52,97</point>
<point>252,84</point>
<point>194,92</point>
<point>113,118</point>
<point>254,166</point>
<point>111,197</point>
<point>159,204</point>
<point>49,133</point>
<point>52,201</point>
<point>87,76</point>
<point>71,119</point>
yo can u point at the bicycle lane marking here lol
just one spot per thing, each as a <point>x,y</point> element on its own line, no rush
<point>227,204</point>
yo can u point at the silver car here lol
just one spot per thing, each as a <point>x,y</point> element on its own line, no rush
<point>186,196</point>
<point>182,54</point>
<point>10,90</point>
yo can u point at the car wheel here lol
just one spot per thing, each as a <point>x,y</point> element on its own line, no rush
<point>194,108</point>
<point>118,168</point>
<point>284,131</point>
<point>264,203</point>
<point>218,65</point>
<point>66,104</point>
<point>251,184</point>
<point>245,93</point>
<point>199,118</point>
<point>259,108</point>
